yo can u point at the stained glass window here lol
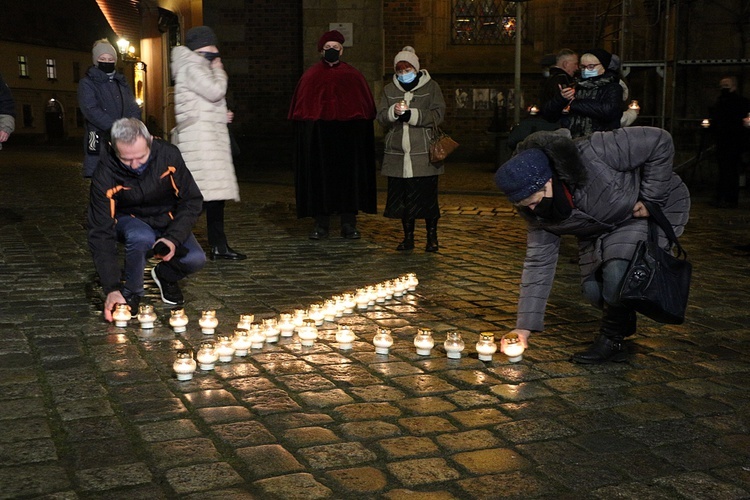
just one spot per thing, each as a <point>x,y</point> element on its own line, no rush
<point>483,22</point>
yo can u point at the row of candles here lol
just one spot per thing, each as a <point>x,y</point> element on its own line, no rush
<point>228,347</point>
<point>250,334</point>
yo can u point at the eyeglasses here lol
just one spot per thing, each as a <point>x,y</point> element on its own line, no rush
<point>590,66</point>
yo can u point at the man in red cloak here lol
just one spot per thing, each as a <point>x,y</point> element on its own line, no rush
<point>332,113</point>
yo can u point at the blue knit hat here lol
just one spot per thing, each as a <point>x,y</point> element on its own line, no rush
<point>524,174</point>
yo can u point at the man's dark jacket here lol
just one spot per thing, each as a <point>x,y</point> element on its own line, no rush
<point>164,196</point>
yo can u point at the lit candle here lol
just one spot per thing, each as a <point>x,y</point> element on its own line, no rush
<point>533,110</point>
<point>257,337</point>
<point>398,288</point>
<point>380,293</point>
<point>270,330</point>
<point>634,105</point>
<point>372,295</point>
<point>315,313</point>
<point>389,285</point>
<point>146,316</point>
<point>706,123</point>
<point>286,325</point>
<point>225,348</point>
<point>208,322</point>
<point>308,333</point>
<point>121,315</point>
<point>338,300</point>
<point>329,310</point>
<point>511,345</point>
<point>184,366</point>
<point>382,341</point>
<point>423,341</point>
<point>300,315</point>
<point>411,282</point>
<point>349,303</point>
<point>178,320</point>
<point>241,342</point>
<point>207,356</point>
<point>486,346</point>
<point>345,337</point>
<point>362,299</point>
<point>453,345</point>
<point>245,321</point>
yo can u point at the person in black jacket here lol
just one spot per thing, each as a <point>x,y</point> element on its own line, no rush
<point>559,87</point>
<point>143,195</point>
<point>731,140</point>
<point>103,96</point>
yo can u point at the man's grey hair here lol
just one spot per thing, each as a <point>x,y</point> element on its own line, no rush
<point>128,130</point>
<point>565,53</point>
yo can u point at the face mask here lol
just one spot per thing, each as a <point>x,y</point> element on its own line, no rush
<point>589,73</point>
<point>545,73</point>
<point>407,77</point>
<point>331,55</point>
<point>210,55</point>
<point>544,208</point>
<point>107,67</point>
<point>725,92</point>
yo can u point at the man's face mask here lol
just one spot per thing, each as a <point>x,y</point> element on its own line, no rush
<point>210,56</point>
<point>725,91</point>
<point>407,77</point>
<point>107,67</point>
<point>331,55</point>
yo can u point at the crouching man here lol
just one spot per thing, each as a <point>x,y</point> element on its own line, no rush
<point>143,195</point>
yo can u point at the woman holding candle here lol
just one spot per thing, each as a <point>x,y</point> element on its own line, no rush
<point>592,189</point>
<point>411,105</point>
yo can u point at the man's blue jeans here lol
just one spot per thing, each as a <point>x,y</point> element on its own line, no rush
<point>138,238</point>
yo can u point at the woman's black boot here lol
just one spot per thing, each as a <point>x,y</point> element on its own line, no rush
<point>408,242</point>
<point>617,323</point>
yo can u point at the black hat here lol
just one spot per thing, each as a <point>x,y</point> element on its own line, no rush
<point>604,57</point>
<point>199,37</point>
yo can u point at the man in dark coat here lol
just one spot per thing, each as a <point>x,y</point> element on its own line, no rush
<point>143,195</point>
<point>103,96</point>
<point>333,111</point>
<point>561,77</point>
<point>592,189</point>
<point>731,140</point>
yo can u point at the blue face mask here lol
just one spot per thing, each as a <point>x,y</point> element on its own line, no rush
<point>589,73</point>
<point>407,77</point>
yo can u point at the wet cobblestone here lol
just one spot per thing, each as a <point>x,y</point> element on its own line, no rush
<point>89,410</point>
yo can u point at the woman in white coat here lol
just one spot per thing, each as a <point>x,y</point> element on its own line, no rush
<point>201,132</point>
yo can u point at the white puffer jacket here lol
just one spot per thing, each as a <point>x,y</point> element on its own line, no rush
<point>201,132</point>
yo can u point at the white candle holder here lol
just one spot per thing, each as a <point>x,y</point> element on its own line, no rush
<point>424,342</point>
<point>308,333</point>
<point>184,366</point>
<point>241,342</point>
<point>411,282</point>
<point>225,348</point>
<point>178,320</point>
<point>362,299</point>
<point>453,345</point>
<point>345,337</point>
<point>121,315</point>
<point>349,303</point>
<point>257,337</point>
<point>245,321</point>
<point>315,313</point>
<point>486,346</point>
<point>146,316</point>
<point>372,295</point>
<point>286,325</point>
<point>208,322</point>
<point>271,330</point>
<point>389,286</point>
<point>329,310</point>
<point>207,356</point>
<point>300,315</point>
<point>338,301</point>
<point>511,345</point>
<point>382,341</point>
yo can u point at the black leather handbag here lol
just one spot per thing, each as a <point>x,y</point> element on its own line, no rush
<point>657,283</point>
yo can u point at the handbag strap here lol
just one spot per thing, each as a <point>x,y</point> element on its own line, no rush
<point>657,218</point>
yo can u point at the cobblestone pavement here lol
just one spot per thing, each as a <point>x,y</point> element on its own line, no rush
<point>88,410</point>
